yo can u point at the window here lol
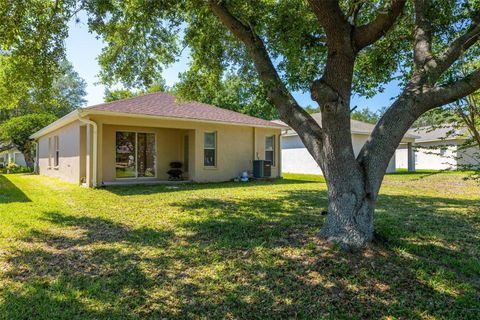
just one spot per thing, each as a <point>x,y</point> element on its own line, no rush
<point>135,155</point>
<point>209,149</point>
<point>49,152</point>
<point>57,151</point>
<point>270,149</point>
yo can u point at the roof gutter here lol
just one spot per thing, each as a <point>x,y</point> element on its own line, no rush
<point>149,116</point>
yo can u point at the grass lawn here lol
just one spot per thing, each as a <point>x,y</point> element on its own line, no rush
<point>235,250</point>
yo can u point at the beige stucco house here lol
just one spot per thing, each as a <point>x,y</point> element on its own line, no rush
<point>136,139</point>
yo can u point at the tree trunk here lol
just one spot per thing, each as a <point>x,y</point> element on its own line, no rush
<point>29,159</point>
<point>349,221</point>
<point>27,154</point>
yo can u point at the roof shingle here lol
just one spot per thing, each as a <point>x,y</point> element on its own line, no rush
<point>166,105</point>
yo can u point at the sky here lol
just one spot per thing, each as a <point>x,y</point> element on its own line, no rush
<point>83,48</point>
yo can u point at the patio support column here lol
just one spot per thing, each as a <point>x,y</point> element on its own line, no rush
<point>254,142</point>
<point>198,160</point>
<point>37,157</point>
<point>88,156</point>
<point>411,157</point>
<point>92,148</point>
<point>99,159</point>
<point>279,151</point>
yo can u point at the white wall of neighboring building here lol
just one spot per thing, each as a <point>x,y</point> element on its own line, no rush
<point>19,159</point>
<point>401,156</point>
<point>469,157</point>
<point>297,159</point>
<point>12,155</point>
<point>430,155</point>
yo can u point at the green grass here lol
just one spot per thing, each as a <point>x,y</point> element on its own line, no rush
<point>235,250</point>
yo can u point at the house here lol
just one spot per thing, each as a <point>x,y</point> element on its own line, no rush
<point>9,153</point>
<point>137,139</point>
<point>440,149</point>
<point>297,159</point>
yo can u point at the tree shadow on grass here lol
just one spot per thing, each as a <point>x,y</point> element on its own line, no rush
<point>9,192</point>
<point>254,258</point>
<point>98,230</point>
<point>146,189</point>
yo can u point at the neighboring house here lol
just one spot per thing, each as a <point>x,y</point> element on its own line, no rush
<point>297,159</point>
<point>136,140</point>
<point>438,149</point>
<point>9,153</point>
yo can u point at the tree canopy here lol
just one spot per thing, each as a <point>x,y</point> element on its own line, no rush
<point>66,93</point>
<point>18,130</point>
<point>119,94</point>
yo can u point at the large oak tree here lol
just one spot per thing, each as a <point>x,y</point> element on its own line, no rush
<point>328,48</point>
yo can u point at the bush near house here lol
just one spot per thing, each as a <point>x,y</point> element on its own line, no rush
<point>12,167</point>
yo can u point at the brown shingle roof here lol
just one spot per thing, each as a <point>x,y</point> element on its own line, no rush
<point>166,105</point>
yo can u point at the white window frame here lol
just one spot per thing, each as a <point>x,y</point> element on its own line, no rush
<point>136,156</point>
<point>272,150</point>
<point>215,149</point>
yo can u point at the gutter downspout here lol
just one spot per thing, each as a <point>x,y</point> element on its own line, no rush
<point>95,146</point>
<point>35,164</point>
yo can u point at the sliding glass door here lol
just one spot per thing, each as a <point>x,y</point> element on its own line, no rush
<point>135,155</point>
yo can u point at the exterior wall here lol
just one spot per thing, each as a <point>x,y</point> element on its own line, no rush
<point>168,148</point>
<point>468,158</point>
<point>401,156</point>
<point>69,149</point>
<point>235,150</point>
<point>18,158</point>
<point>12,155</point>
<point>4,157</point>
<point>259,146</point>
<point>297,159</point>
<point>435,159</point>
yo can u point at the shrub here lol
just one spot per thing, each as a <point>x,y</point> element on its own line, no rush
<point>12,167</point>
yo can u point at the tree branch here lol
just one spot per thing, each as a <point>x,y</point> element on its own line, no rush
<point>441,95</point>
<point>422,51</point>
<point>456,48</point>
<point>354,10</point>
<point>290,112</point>
<point>332,19</point>
<point>367,34</point>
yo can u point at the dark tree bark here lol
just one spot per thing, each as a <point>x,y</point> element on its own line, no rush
<point>27,154</point>
<point>353,182</point>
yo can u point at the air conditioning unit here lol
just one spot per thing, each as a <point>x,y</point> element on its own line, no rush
<point>262,169</point>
